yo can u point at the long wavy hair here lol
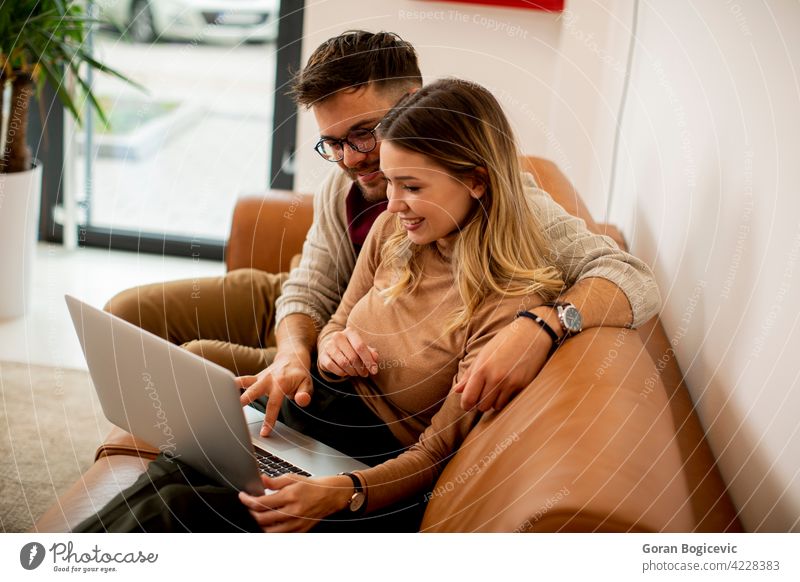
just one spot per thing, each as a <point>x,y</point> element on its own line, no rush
<point>501,249</point>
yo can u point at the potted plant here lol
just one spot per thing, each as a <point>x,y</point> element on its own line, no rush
<point>40,41</point>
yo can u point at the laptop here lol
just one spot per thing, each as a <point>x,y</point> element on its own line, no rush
<point>189,407</point>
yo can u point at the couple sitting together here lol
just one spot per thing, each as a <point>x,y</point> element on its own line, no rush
<point>429,249</point>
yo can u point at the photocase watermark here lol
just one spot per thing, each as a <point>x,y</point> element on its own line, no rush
<point>474,469</point>
<point>163,423</point>
<point>195,248</point>
<point>613,353</point>
<point>780,296</point>
<point>638,304</point>
<point>31,555</point>
<point>388,364</point>
<point>297,199</point>
<point>54,311</point>
<point>65,558</point>
<point>651,381</point>
<point>548,505</point>
<point>741,21</point>
<point>510,30</point>
<point>744,226</point>
<point>15,121</point>
<point>512,102</point>
<point>492,24</point>
<point>690,167</point>
<point>525,304</point>
<point>589,41</point>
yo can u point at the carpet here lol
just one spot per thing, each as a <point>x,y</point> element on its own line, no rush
<point>50,425</point>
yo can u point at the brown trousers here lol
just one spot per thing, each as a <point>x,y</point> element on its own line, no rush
<point>229,320</point>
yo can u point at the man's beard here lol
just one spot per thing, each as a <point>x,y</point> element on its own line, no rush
<point>375,194</point>
<point>372,193</point>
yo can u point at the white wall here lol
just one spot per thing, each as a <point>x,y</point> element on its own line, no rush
<point>511,51</point>
<point>707,192</point>
<point>591,63</point>
<point>708,167</point>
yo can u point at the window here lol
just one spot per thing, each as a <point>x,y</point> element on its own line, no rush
<point>164,174</point>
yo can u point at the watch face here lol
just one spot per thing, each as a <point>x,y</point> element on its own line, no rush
<point>572,319</point>
<point>356,501</point>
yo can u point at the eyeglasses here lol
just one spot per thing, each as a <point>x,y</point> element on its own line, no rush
<point>359,140</point>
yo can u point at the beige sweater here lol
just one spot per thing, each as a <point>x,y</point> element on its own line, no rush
<point>418,361</point>
<point>316,286</point>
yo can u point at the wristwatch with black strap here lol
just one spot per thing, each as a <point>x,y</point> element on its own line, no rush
<point>358,501</point>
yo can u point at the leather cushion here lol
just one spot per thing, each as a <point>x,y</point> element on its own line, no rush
<point>580,444</point>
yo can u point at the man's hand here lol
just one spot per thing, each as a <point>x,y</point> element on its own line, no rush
<point>297,503</point>
<point>288,376</point>
<point>344,354</point>
<point>506,364</point>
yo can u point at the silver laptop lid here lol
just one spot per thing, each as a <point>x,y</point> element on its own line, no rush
<point>186,406</point>
<point>152,388</point>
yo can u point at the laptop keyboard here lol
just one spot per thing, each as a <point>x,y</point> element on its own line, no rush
<point>273,466</point>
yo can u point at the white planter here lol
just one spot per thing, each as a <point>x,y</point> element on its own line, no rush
<point>19,202</point>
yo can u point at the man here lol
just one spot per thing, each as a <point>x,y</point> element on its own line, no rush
<point>350,82</point>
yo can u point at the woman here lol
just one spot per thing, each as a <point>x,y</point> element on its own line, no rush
<point>454,257</point>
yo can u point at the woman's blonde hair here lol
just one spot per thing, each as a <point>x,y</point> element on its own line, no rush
<point>501,249</point>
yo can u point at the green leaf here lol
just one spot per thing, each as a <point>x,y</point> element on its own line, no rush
<point>108,70</point>
<point>52,34</point>
<point>57,81</point>
<point>89,94</point>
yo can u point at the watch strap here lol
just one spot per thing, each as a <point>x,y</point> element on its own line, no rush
<point>357,488</point>
<point>561,307</point>
<point>356,482</point>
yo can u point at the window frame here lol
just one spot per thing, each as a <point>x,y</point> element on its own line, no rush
<point>48,128</point>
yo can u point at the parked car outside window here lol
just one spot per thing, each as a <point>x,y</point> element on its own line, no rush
<point>222,21</point>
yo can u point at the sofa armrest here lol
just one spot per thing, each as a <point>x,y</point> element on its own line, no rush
<point>121,442</point>
<point>267,230</point>
<point>586,447</point>
<point>105,479</point>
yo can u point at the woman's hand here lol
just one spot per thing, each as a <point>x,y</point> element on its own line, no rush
<point>297,503</point>
<point>344,354</point>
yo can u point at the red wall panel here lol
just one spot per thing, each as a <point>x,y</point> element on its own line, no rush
<point>548,5</point>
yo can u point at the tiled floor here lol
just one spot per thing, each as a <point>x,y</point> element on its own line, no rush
<point>45,335</point>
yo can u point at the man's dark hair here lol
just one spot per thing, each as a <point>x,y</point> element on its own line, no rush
<point>355,59</point>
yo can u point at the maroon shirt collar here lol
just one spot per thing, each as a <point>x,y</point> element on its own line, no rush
<point>361,214</point>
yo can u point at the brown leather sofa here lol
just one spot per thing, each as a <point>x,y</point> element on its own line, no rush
<point>604,439</point>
